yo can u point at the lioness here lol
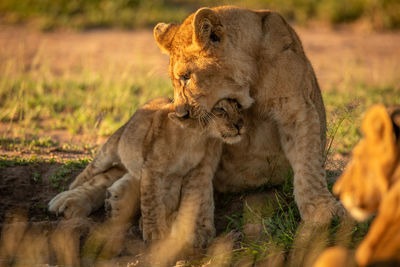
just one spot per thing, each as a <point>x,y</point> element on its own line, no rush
<point>230,52</point>
<point>173,159</point>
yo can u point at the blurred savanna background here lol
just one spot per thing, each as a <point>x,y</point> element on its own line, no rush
<point>73,71</point>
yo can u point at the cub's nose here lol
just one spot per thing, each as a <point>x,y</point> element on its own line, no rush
<point>239,124</point>
<point>182,111</point>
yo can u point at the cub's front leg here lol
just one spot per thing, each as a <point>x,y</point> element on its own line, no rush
<point>195,217</point>
<point>154,221</point>
<point>82,200</point>
<point>104,160</point>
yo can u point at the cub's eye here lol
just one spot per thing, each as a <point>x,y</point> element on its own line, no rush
<point>220,109</point>
<point>185,79</point>
<point>238,105</point>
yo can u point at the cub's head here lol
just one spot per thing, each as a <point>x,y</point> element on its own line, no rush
<point>225,122</point>
<point>369,174</point>
<point>201,66</point>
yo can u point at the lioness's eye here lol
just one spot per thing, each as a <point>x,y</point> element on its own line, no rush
<point>185,79</point>
<point>186,76</point>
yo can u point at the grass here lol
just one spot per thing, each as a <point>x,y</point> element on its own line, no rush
<point>27,100</point>
<point>345,111</point>
<point>59,179</point>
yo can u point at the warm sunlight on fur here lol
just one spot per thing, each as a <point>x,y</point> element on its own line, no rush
<point>244,54</point>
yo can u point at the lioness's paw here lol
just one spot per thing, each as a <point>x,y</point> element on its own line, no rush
<point>322,212</point>
<point>71,203</point>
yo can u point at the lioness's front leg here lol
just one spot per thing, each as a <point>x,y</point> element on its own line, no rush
<point>302,142</point>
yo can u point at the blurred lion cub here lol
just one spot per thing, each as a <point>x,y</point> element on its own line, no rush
<point>172,158</point>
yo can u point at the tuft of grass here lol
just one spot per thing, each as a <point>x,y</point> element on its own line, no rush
<point>36,177</point>
<point>6,161</point>
<point>17,144</point>
<point>345,112</point>
<point>59,179</point>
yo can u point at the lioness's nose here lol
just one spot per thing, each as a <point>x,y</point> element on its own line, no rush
<point>239,124</point>
<point>182,111</point>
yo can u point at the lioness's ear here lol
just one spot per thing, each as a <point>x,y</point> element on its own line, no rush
<point>182,122</point>
<point>378,129</point>
<point>164,33</point>
<point>207,28</point>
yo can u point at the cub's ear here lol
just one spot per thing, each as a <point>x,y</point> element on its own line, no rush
<point>207,28</point>
<point>164,33</point>
<point>182,122</point>
<point>377,128</point>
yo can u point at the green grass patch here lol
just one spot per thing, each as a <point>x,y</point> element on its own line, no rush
<point>17,144</point>
<point>345,111</point>
<point>59,178</point>
<point>6,161</point>
<point>90,104</point>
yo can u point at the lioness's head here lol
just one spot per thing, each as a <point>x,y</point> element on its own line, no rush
<point>198,69</point>
<point>225,121</point>
<point>375,159</point>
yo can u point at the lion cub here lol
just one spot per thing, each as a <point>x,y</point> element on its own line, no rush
<point>173,159</point>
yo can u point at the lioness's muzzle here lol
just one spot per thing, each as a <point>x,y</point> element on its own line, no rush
<point>182,111</point>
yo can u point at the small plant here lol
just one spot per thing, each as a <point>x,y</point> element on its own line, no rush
<point>6,161</point>
<point>59,178</point>
<point>37,178</point>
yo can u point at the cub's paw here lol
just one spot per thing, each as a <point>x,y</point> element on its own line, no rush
<point>203,236</point>
<point>154,233</point>
<point>198,236</point>
<point>122,200</point>
<point>71,203</point>
<point>114,204</point>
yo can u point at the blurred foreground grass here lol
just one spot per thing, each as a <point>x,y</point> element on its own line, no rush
<point>86,14</point>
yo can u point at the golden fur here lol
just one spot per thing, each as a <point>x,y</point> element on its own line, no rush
<point>370,184</point>
<point>148,150</point>
<point>229,52</point>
